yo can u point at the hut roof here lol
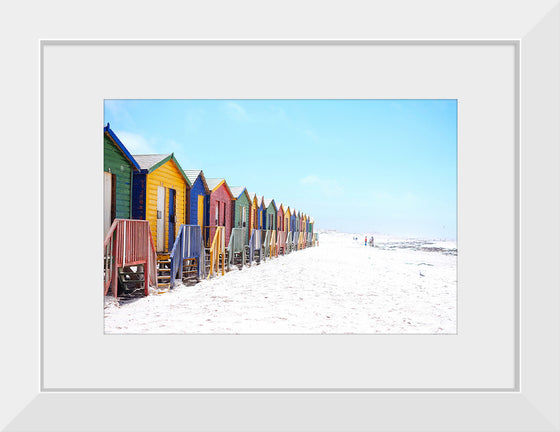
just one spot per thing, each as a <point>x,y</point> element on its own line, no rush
<point>113,137</point>
<point>148,161</point>
<point>237,191</point>
<point>152,162</point>
<point>192,175</point>
<point>215,183</point>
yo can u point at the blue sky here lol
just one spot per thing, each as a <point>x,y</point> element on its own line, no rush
<point>358,166</point>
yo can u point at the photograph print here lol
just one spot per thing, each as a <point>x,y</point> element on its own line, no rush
<point>265,216</point>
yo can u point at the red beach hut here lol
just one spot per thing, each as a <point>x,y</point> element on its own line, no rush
<point>220,207</point>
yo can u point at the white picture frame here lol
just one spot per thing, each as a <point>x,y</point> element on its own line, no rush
<point>530,403</point>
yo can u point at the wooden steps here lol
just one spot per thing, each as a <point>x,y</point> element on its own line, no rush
<point>207,260</point>
<point>131,281</point>
<point>190,270</point>
<point>163,271</point>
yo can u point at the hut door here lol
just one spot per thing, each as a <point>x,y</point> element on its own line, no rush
<point>160,224</point>
<point>171,227</point>
<point>107,200</point>
<point>201,210</point>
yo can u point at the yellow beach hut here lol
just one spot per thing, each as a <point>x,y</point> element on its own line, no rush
<point>287,215</point>
<point>159,194</point>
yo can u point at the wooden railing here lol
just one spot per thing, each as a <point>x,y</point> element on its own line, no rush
<point>266,244</point>
<point>273,252</point>
<point>188,244</point>
<point>255,244</point>
<point>281,242</point>
<point>128,243</point>
<point>217,251</point>
<point>295,240</point>
<point>309,239</point>
<point>237,244</point>
<point>289,241</point>
<point>301,240</point>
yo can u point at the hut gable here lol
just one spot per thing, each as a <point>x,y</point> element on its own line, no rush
<point>268,203</point>
<point>114,139</point>
<point>150,163</point>
<point>237,191</point>
<point>194,175</point>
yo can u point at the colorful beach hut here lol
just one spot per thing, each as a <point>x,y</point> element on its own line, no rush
<point>287,217</point>
<point>241,207</point>
<point>118,169</point>
<point>159,195</point>
<point>199,201</point>
<point>280,233</point>
<point>293,220</point>
<point>309,232</point>
<point>280,218</point>
<point>269,225</point>
<point>261,213</point>
<point>253,221</point>
<point>220,207</point>
<point>270,214</point>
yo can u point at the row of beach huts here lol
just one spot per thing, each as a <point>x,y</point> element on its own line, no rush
<point>163,223</point>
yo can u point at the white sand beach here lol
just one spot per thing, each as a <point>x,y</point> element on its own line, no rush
<point>400,286</point>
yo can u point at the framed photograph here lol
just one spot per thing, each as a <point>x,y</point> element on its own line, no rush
<point>498,371</point>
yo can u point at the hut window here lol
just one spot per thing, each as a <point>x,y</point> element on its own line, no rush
<point>217,214</point>
<point>244,216</point>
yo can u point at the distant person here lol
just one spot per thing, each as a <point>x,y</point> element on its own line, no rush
<point>371,241</point>
<point>365,241</point>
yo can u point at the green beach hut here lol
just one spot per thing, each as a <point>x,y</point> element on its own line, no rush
<point>241,208</point>
<point>118,168</point>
